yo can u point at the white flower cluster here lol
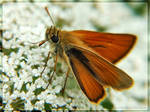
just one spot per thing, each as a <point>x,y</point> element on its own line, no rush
<point>25,23</point>
<point>23,27</point>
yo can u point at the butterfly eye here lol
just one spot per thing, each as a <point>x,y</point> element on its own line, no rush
<point>55,38</point>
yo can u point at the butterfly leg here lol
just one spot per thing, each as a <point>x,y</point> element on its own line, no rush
<point>50,79</point>
<point>46,62</point>
<point>63,89</point>
<point>55,63</point>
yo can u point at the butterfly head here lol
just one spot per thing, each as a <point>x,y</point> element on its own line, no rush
<point>52,34</point>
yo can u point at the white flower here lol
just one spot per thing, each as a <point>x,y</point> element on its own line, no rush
<point>39,104</point>
<point>40,83</point>
<point>57,88</point>
<point>18,83</point>
<point>28,105</point>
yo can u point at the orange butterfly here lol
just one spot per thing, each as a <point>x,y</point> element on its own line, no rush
<point>90,57</point>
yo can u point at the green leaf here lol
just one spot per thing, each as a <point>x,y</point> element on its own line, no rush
<point>61,22</point>
<point>99,27</point>
<point>35,66</point>
<point>25,56</point>
<point>47,106</point>
<point>106,103</point>
<point>18,104</point>
<point>11,88</point>
<point>9,51</point>
<point>24,88</point>
<point>38,91</point>
<point>34,101</point>
<point>18,68</point>
<point>34,78</point>
<point>137,9</point>
<point>33,47</point>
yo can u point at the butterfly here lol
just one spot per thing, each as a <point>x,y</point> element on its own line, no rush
<point>91,56</point>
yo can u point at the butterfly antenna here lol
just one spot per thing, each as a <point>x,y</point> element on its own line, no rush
<point>49,15</point>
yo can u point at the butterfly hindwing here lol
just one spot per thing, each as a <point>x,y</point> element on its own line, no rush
<point>105,73</point>
<point>91,87</point>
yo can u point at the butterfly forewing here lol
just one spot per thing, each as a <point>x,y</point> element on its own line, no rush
<point>112,47</point>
